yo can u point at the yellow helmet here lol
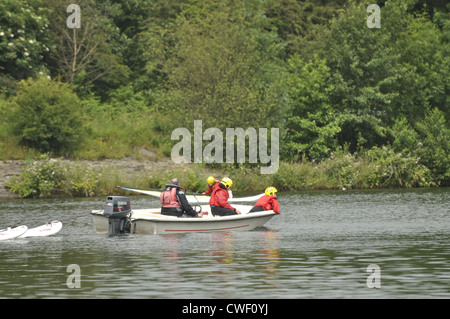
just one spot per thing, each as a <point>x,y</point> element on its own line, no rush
<point>227,182</point>
<point>210,180</point>
<point>271,191</point>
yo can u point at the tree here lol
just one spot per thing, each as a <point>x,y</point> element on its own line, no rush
<point>24,42</point>
<point>311,123</point>
<point>298,22</point>
<point>89,56</point>
<point>46,115</point>
<point>434,136</point>
<point>225,58</point>
<point>152,45</point>
<point>387,74</point>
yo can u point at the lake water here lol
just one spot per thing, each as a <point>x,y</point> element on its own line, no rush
<point>320,246</point>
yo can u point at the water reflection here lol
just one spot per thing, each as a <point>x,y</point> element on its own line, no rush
<point>222,249</point>
<point>319,247</point>
<point>171,257</point>
<point>226,258</point>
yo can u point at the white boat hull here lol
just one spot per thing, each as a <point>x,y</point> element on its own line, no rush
<point>150,221</point>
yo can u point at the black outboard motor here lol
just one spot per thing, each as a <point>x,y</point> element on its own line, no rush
<point>118,211</point>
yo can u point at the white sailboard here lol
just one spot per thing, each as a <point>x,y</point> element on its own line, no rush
<point>44,230</point>
<point>10,233</point>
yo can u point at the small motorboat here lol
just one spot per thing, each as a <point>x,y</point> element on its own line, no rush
<point>117,218</point>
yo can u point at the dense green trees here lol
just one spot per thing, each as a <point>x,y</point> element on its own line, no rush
<point>312,68</point>
<point>311,121</point>
<point>24,42</point>
<point>223,64</point>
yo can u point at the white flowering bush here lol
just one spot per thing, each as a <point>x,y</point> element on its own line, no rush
<point>24,39</point>
<point>390,169</point>
<point>51,177</point>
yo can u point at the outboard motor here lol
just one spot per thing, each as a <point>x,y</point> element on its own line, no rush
<point>118,211</point>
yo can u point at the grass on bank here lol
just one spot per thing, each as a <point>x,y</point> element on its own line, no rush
<point>377,168</point>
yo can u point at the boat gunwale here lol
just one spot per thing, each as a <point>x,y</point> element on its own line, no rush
<point>217,219</point>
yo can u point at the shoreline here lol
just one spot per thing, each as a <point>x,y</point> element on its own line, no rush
<point>9,169</point>
<point>127,167</point>
<point>342,173</point>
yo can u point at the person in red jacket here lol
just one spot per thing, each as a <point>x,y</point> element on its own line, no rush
<point>212,184</point>
<point>267,202</point>
<point>219,199</point>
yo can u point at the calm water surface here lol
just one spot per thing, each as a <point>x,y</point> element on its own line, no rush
<point>320,246</point>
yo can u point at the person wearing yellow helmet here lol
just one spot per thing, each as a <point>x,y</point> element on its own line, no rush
<point>212,184</point>
<point>267,202</point>
<point>219,199</point>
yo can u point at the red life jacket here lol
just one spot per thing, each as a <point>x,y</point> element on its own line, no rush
<point>169,198</point>
<point>219,198</point>
<point>268,203</point>
<point>212,187</point>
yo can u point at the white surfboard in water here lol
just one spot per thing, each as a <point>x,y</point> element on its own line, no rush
<point>44,230</point>
<point>10,233</point>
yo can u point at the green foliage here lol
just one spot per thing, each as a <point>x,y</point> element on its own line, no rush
<point>389,73</point>
<point>311,123</point>
<point>434,148</point>
<point>428,141</point>
<point>36,180</point>
<point>406,139</point>
<point>344,166</point>
<point>360,131</point>
<point>302,176</point>
<point>299,21</point>
<point>89,58</point>
<point>375,168</point>
<point>390,169</point>
<point>356,107</point>
<point>23,42</point>
<point>51,177</point>
<point>45,115</point>
<point>223,64</point>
